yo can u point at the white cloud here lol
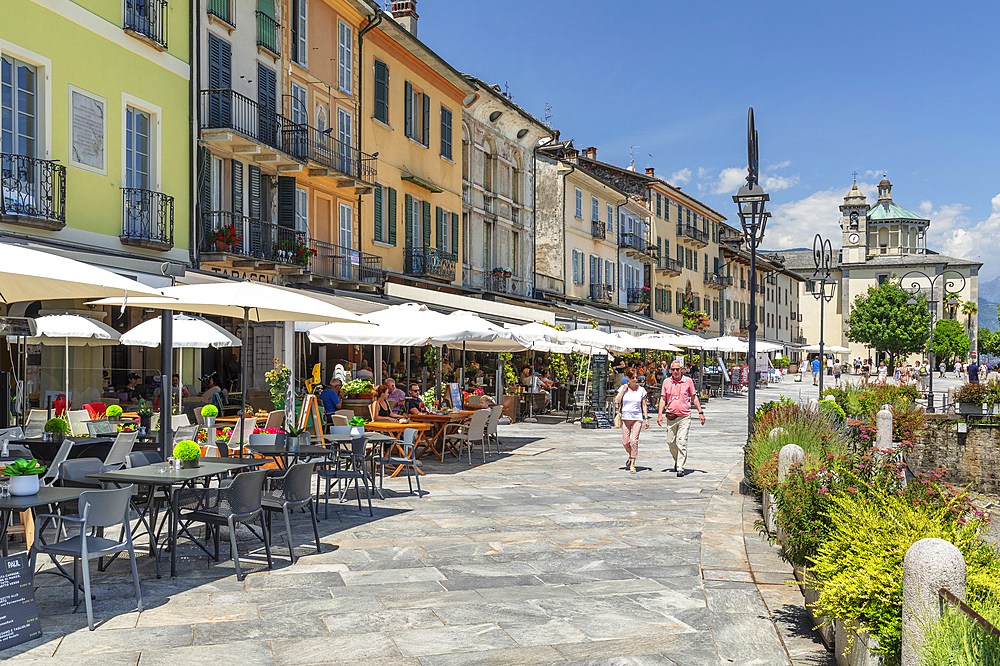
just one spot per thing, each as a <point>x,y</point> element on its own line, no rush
<point>779,165</point>
<point>730,180</point>
<point>795,223</point>
<point>775,183</point>
<point>952,233</point>
<point>702,173</point>
<point>680,177</point>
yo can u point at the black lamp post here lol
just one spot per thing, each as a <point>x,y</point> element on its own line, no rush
<point>950,301</point>
<point>823,258</point>
<point>750,201</point>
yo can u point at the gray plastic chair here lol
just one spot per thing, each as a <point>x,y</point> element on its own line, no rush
<point>491,426</point>
<point>407,460</point>
<point>289,492</point>
<point>470,433</point>
<point>95,428</point>
<point>237,503</point>
<point>185,432</point>
<point>142,458</point>
<point>99,509</point>
<point>354,469</point>
<point>52,473</point>
<point>120,449</point>
<point>73,473</point>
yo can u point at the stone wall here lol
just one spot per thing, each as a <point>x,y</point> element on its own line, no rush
<point>968,459</point>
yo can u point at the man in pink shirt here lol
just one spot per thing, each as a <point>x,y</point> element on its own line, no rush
<point>676,396</point>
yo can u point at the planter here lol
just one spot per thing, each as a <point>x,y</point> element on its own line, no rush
<point>861,650</point>
<point>144,423</point>
<point>194,463</point>
<point>292,443</point>
<point>52,438</point>
<point>823,626</point>
<point>588,425</point>
<point>22,486</point>
<point>767,500</point>
<point>357,430</point>
<point>113,420</point>
<point>209,421</point>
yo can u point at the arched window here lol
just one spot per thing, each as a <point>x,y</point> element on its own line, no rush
<point>466,153</point>
<point>515,179</point>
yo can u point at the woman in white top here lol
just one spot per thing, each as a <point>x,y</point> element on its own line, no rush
<point>631,400</point>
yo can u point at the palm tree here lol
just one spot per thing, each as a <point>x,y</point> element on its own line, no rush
<point>969,308</point>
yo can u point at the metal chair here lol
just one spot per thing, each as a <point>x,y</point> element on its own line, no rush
<point>338,420</point>
<point>35,423</point>
<point>52,473</point>
<point>491,426</point>
<point>142,458</point>
<point>73,473</point>
<point>120,449</point>
<point>577,407</point>
<point>288,492</point>
<point>275,419</point>
<point>237,503</point>
<point>407,460</point>
<point>179,421</point>
<point>248,425</point>
<point>185,432</point>
<point>78,421</point>
<point>98,428</point>
<point>14,450</point>
<point>99,509</point>
<point>470,433</point>
<point>355,469</point>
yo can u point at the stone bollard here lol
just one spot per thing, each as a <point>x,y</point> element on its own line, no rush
<point>883,425</point>
<point>788,456</point>
<point>928,565</point>
<point>776,433</point>
<point>812,405</point>
<point>952,407</point>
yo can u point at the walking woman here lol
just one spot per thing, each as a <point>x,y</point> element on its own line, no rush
<point>631,401</point>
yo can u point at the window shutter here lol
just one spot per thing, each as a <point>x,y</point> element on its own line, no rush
<point>427,224</point>
<point>286,201</point>
<point>345,54</point>
<point>695,261</point>
<point>408,105</point>
<point>425,127</point>
<point>454,234</point>
<point>377,205</point>
<point>255,192</point>
<point>439,228</point>
<point>382,91</point>
<point>301,36</point>
<point>659,247</point>
<point>576,261</point>
<point>715,266</point>
<point>409,221</point>
<point>445,132</point>
<point>391,217</point>
<point>659,204</point>
<point>237,187</point>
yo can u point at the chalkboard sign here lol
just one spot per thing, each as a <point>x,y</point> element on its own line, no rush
<point>601,418</point>
<point>18,611</point>
<point>455,395</point>
<point>599,380</point>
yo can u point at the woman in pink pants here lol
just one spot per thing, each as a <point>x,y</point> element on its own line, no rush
<point>631,401</point>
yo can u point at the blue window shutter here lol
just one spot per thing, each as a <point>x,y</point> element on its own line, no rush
<point>237,187</point>
<point>408,105</point>
<point>286,201</point>
<point>425,128</point>
<point>255,194</point>
<point>381,91</point>
<point>391,217</point>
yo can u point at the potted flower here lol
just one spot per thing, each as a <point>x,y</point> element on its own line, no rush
<point>357,425</point>
<point>188,453</point>
<point>24,476</point>
<point>208,414</point>
<point>294,437</point>
<point>588,423</point>
<point>226,237</point>
<point>55,430</point>
<point>114,413</point>
<point>507,272</point>
<point>359,388</point>
<point>145,413</point>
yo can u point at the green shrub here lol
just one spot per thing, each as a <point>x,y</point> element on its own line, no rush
<point>802,502</point>
<point>144,411</point>
<point>770,406</point>
<point>815,432</point>
<point>209,411</point>
<point>113,412</point>
<point>57,425</point>
<point>978,394</point>
<point>958,641</point>
<point>833,410</point>
<point>186,450</point>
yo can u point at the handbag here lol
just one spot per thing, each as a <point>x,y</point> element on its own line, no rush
<point>618,419</point>
<point>618,414</point>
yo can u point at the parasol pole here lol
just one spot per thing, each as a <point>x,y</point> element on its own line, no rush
<point>66,403</point>
<point>243,379</point>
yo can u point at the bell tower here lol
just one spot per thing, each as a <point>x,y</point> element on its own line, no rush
<point>854,224</point>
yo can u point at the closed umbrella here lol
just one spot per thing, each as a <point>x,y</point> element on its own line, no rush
<point>72,330</point>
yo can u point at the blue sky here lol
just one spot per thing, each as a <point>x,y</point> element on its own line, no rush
<point>908,89</point>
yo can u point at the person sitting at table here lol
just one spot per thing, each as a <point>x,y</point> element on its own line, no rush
<point>395,395</point>
<point>414,405</point>
<point>330,397</point>
<point>365,372</point>
<point>132,392</point>
<point>212,390</point>
<point>539,385</point>
<point>526,377</point>
<point>380,408</point>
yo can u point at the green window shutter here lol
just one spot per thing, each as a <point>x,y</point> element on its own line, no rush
<point>680,301</point>
<point>408,106</point>
<point>377,205</point>
<point>659,205</point>
<point>381,92</point>
<point>425,127</point>
<point>439,228</point>
<point>391,217</point>
<point>237,187</point>
<point>409,221</point>
<point>286,201</point>
<point>454,234</point>
<point>427,224</point>
<point>255,196</point>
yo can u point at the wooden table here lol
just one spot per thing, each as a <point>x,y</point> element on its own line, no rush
<point>441,422</point>
<point>395,428</point>
<point>233,420</point>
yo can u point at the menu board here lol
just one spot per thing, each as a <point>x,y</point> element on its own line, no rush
<point>455,395</point>
<point>18,611</point>
<point>599,380</point>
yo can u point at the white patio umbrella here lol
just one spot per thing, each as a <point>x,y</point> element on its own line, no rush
<point>689,341</point>
<point>764,346</point>
<point>535,331</point>
<point>189,332</point>
<point>831,349</point>
<point>657,341</point>
<point>72,330</point>
<point>480,335</point>
<point>727,344</point>
<point>593,340</point>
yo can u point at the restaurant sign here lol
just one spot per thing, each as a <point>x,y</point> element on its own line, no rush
<point>18,610</point>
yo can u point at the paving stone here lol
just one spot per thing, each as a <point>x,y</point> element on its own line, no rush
<point>386,620</point>
<point>359,647</point>
<point>249,654</point>
<point>460,638</point>
<point>503,657</point>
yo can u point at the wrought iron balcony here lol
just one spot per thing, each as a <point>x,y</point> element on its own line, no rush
<point>693,233</point>
<point>147,219</point>
<point>497,282</point>
<point>714,281</point>
<point>632,241</point>
<point>430,262</point>
<point>467,194</point>
<point>343,263</point>
<point>268,33</point>
<point>226,110</point>
<point>669,266</point>
<point>147,20</point>
<point>598,230</point>
<point>637,295</point>
<point>32,192</point>
<point>799,339</point>
<point>602,293</point>
<point>253,239</point>
<point>327,151</point>
<point>224,10</point>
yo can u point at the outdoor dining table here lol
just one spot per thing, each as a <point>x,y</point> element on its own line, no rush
<point>83,447</point>
<point>233,420</point>
<point>280,454</point>
<point>441,423</point>
<point>163,475</point>
<point>396,429</point>
<point>27,503</point>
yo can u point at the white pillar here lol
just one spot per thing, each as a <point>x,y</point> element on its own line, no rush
<point>929,565</point>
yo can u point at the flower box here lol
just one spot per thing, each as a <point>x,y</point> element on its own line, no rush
<point>823,625</point>
<point>588,425</point>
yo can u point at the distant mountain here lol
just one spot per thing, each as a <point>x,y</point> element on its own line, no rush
<point>990,291</point>
<point>988,313</point>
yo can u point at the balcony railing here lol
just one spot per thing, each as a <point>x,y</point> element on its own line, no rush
<point>633,241</point>
<point>223,10</point>
<point>720,281</point>
<point>799,339</point>
<point>636,295</point>
<point>148,19</point>
<point>33,188</point>
<point>430,262</point>
<point>268,33</point>
<point>305,142</point>
<point>147,219</point>
<point>670,265</point>
<point>602,293</point>
<point>693,233</point>
<point>467,194</point>
<point>496,282</point>
<point>598,230</point>
<point>224,108</point>
<point>344,263</point>
<point>255,239</point>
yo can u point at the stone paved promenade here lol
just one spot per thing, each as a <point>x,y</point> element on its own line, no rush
<point>550,553</point>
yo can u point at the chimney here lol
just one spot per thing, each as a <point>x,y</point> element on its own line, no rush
<point>650,171</point>
<point>405,14</point>
<point>590,153</point>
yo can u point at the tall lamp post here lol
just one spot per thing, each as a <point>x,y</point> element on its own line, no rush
<point>823,258</point>
<point>750,201</point>
<point>951,301</point>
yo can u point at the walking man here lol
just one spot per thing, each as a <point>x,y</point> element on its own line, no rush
<point>676,396</point>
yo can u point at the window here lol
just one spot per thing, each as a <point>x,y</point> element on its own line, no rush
<point>137,149</point>
<point>345,161</point>
<point>595,269</point>
<point>611,217</point>
<point>687,258</point>
<point>609,273</point>
<point>659,205</point>
<point>381,92</point>
<point>515,252</point>
<point>515,180</point>
<point>488,167</point>
<point>299,49</point>
<point>668,302</point>
<point>579,203</point>
<point>302,210</point>
<point>595,207</point>
<point>445,133</point>
<point>346,215</point>
<point>679,300</point>
<point>578,267</point>
<point>882,277</point>
<point>299,111</point>
<point>666,248</point>
<point>466,154</point>
<point>19,85</point>
<point>418,111</point>
<point>345,50</point>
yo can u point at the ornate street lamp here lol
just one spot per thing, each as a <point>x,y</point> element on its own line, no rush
<point>750,201</point>
<point>823,258</point>
<point>950,301</point>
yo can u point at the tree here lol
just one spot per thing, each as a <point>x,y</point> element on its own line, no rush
<point>950,340</point>
<point>881,319</point>
<point>988,344</point>
<point>969,308</point>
